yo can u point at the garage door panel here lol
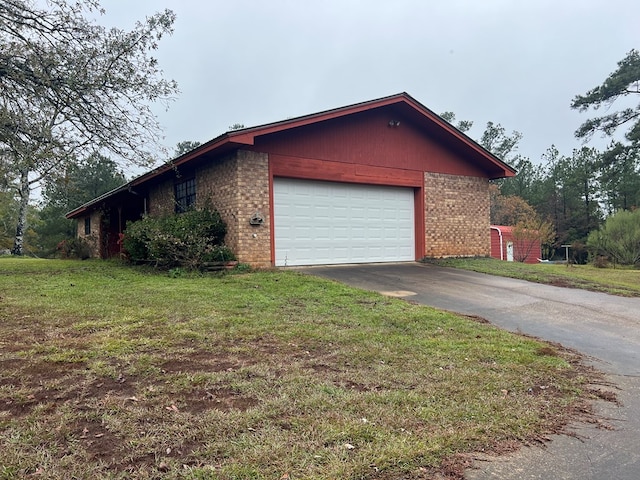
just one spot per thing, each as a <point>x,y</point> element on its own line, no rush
<point>327,223</point>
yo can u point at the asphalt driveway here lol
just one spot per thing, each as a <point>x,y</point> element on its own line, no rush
<point>604,327</point>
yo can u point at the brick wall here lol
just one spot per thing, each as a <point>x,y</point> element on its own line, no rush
<point>237,185</point>
<point>457,215</point>
<point>216,185</point>
<point>253,241</point>
<point>161,199</point>
<point>93,239</point>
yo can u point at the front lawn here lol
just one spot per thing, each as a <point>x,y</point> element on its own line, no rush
<point>624,281</point>
<point>112,372</point>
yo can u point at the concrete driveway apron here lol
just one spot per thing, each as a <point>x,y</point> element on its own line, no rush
<point>604,327</point>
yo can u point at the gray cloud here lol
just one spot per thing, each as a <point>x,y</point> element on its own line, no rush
<point>515,63</point>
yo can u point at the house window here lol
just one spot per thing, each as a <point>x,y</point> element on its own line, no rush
<point>87,225</point>
<point>185,195</point>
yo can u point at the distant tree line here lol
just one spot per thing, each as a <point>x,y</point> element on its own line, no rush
<point>576,193</point>
<point>75,92</point>
<point>63,191</point>
<point>72,88</point>
<point>77,184</point>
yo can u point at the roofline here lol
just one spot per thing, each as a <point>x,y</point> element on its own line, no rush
<point>247,136</point>
<point>77,211</point>
<point>460,134</point>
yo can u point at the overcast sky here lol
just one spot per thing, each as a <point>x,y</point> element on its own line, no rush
<point>514,62</point>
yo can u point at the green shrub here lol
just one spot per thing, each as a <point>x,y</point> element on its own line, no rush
<point>74,248</point>
<point>135,241</point>
<point>187,239</point>
<point>218,253</point>
<point>618,239</point>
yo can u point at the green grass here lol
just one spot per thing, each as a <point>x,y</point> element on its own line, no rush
<point>112,372</point>
<point>623,281</point>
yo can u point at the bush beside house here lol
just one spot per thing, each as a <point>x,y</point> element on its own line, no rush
<point>191,239</point>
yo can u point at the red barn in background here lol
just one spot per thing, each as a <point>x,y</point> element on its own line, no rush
<point>505,247</point>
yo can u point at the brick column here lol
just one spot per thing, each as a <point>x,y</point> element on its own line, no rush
<point>456,216</point>
<point>238,187</point>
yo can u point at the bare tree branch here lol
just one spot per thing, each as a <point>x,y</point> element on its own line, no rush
<point>71,87</point>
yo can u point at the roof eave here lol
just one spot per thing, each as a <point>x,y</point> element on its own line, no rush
<point>211,145</point>
<point>247,136</point>
<point>86,206</point>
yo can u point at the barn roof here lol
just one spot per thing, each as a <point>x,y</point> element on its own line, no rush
<point>507,229</point>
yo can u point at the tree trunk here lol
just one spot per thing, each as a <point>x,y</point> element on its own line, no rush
<point>21,226</point>
<point>587,202</point>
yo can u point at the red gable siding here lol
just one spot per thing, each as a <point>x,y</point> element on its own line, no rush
<point>366,138</point>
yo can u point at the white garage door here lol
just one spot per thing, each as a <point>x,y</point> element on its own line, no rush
<point>320,223</point>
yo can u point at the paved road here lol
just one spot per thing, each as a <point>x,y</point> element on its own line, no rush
<point>604,327</point>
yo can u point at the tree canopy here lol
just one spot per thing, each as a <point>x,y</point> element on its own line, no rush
<point>573,194</point>
<point>618,238</point>
<point>462,125</point>
<point>78,184</point>
<point>185,146</point>
<point>69,83</point>
<point>72,87</point>
<point>624,82</point>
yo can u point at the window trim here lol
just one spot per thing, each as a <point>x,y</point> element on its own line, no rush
<point>186,199</point>
<point>87,225</point>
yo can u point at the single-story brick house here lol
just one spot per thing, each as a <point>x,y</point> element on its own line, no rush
<point>379,181</point>
<point>505,246</point>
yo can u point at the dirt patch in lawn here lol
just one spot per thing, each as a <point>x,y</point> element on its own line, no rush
<point>224,399</point>
<point>72,390</point>
<point>96,439</point>
<point>142,412</point>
